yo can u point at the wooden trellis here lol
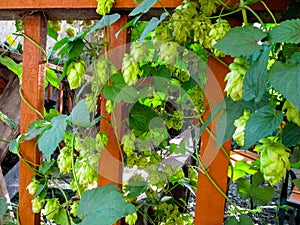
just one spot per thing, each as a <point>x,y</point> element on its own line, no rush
<point>209,202</point>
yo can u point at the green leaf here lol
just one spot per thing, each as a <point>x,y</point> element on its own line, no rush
<point>12,66</point>
<point>3,207</point>
<point>52,78</point>
<point>46,166</point>
<point>75,48</point>
<point>112,91</point>
<point>129,24</point>
<point>288,31</point>
<point>262,195</point>
<point>285,79</point>
<point>52,113</point>
<point>36,128</point>
<point>128,94</point>
<point>232,221</point>
<point>143,7</point>
<point>241,41</point>
<point>232,111</point>
<point>103,204</point>
<point>80,115</point>
<point>245,220</point>
<point>241,168</point>
<point>14,145</point>
<point>9,122</point>
<point>136,188</point>
<point>153,23</point>
<point>261,123</point>
<point>297,182</point>
<point>60,43</point>
<point>244,187</point>
<point>105,21</point>
<point>51,32</point>
<point>61,217</point>
<point>290,134</point>
<point>254,85</point>
<point>50,139</point>
<point>140,117</point>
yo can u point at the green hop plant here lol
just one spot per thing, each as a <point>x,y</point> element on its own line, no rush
<point>139,51</point>
<point>37,204</point>
<point>109,105</point>
<point>33,186</point>
<point>85,172</point>
<point>131,70</point>
<point>162,33</point>
<point>51,208</point>
<point>274,160</point>
<point>56,24</point>
<point>131,219</point>
<point>240,123</point>
<point>101,140</point>
<point>104,6</point>
<point>168,52</point>
<point>70,32</point>
<point>74,208</point>
<point>292,113</point>
<point>128,142</point>
<point>208,7</point>
<point>103,70</point>
<point>175,120</point>
<point>235,78</point>
<point>75,73</point>
<point>64,160</point>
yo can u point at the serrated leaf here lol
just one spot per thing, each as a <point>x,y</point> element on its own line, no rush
<point>143,7</point>
<point>52,78</point>
<point>80,115</point>
<point>153,23</point>
<point>244,188</point>
<point>245,220</point>
<point>12,66</point>
<point>3,207</point>
<point>128,94</point>
<point>45,166</point>
<point>297,182</point>
<point>140,117</point>
<point>254,84</point>
<point>241,41</point>
<point>261,123</point>
<point>285,79</point>
<point>290,134</point>
<point>232,111</point>
<point>103,204</point>
<point>61,217</point>
<point>36,128</point>
<point>232,221</point>
<point>75,48</point>
<point>257,179</point>
<point>136,188</point>
<point>60,43</point>
<point>288,31</point>
<point>241,168</point>
<point>129,24</point>
<point>262,195</point>
<point>50,139</point>
<point>105,21</point>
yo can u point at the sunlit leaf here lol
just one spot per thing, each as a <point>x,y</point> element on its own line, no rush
<point>288,31</point>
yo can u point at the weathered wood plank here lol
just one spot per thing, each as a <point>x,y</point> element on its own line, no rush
<point>33,91</point>
<point>12,180</point>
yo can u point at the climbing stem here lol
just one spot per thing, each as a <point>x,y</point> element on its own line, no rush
<point>29,105</point>
<point>73,166</point>
<point>269,11</point>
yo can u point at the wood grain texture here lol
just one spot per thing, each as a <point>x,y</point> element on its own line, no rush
<point>33,90</point>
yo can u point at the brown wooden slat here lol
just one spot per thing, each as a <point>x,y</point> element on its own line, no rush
<point>33,90</point>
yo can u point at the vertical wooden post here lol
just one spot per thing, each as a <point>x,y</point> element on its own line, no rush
<point>209,202</point>
<point>33,91</point>
<point>110,163</point>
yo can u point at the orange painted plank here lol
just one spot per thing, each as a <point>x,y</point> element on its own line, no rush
<point>110,163</point>
<point>75,4</point>
<point>33,90</point>
<point>209,202</point>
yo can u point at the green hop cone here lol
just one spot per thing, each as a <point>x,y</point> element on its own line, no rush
<point>101,141</point>
<point>51,208</point>
<point>70,32</point>
<point>109,106</point>
<point>75,73</point>
<point>292,113</point>
<point>103,70</point>
<point>37,204</point>
<point>74,208</point>
<point>128,142</point>
<point>104,6</point>
<point>168,52</point>
<point>139,51</point>
<point>85,172</point>
<point>274,160</point>
<point>64,160</point>
<point>33,186</point>
<point>131,70</point>
<point>162,33</point>
<point>131,219</point>
<point>240,124</point>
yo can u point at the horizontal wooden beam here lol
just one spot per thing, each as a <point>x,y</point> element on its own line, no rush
<point>85,9</point>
